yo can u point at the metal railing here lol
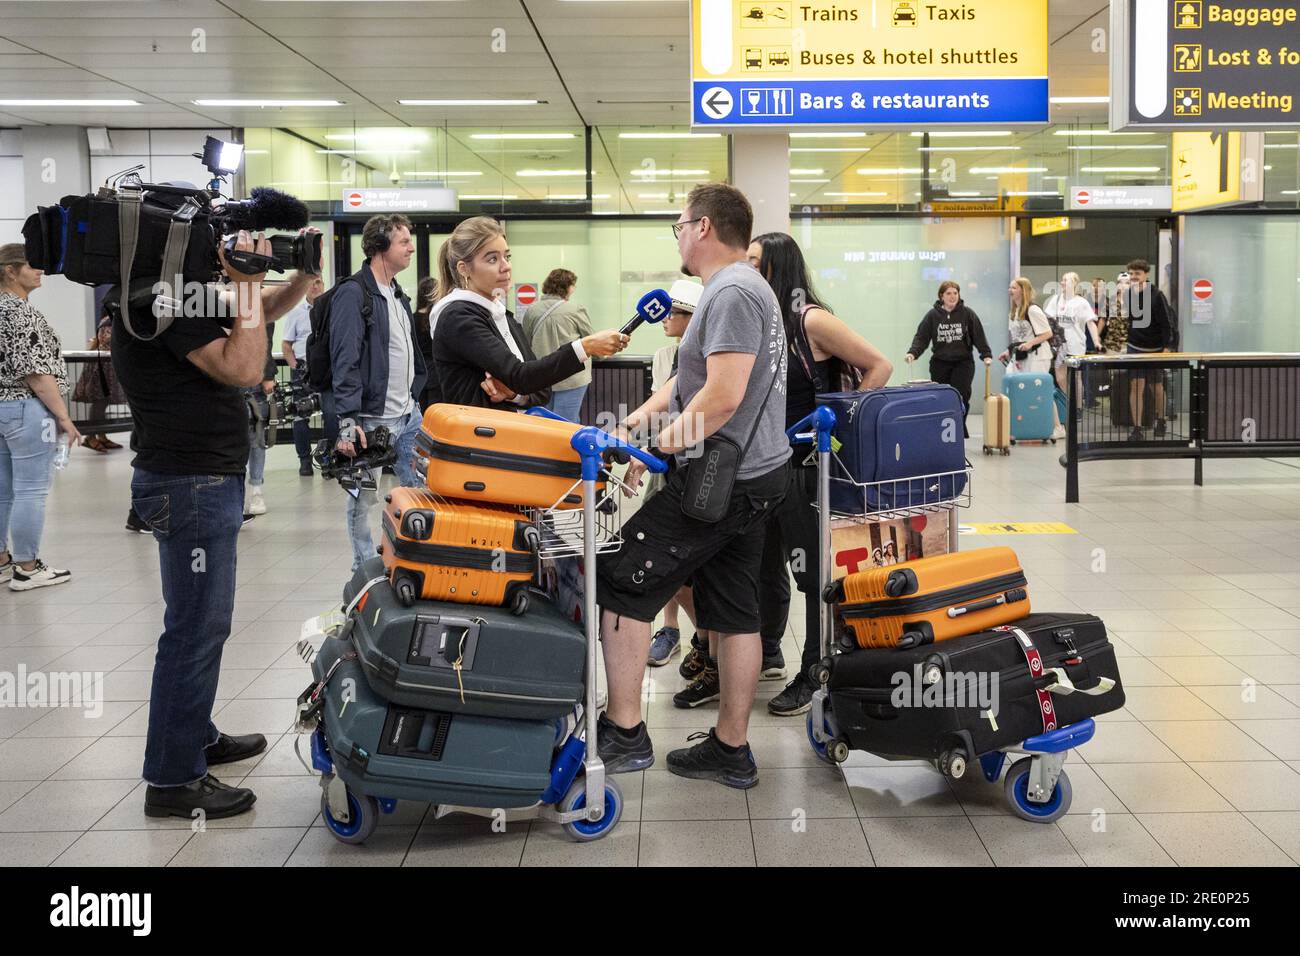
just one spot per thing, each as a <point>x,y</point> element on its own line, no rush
<point>1181,405</point>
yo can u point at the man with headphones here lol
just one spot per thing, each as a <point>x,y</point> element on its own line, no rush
<point>376,368</point>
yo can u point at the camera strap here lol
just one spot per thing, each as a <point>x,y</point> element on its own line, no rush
<point>128,234</point>
<point>129,203</point>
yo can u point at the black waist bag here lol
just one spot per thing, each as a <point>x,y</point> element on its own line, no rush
<point>977,692</point>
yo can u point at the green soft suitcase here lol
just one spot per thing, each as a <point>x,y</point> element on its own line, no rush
<point>478,660</point>
<point>383,749</point>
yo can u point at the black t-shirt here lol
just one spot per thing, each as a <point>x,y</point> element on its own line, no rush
<point>185,422</point>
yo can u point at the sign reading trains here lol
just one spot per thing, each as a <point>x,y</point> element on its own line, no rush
<point>884,62</point>
<point>1190,64</point>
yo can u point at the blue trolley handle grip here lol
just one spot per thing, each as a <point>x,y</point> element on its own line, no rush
<point>823,420</point>
<point>591,443</point>
<point>541,411</point>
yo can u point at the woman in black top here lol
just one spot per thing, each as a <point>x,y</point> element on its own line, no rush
<point>423,336</point>
<point>481,354</point>
<point>954,330</point>
<point>825,355</point>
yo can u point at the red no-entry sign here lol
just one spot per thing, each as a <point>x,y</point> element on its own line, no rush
<point>1203,288</point>
<point>525,293</point>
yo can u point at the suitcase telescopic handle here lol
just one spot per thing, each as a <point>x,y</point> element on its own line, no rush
<point>1010,597</point>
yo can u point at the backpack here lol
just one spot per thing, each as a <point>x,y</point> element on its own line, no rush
<point>320,372</point>
<point>1057,341</point>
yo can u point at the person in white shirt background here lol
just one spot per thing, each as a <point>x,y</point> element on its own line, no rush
<point>1078,323</point>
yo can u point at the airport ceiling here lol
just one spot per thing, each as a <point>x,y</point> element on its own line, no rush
<point>590,62</point>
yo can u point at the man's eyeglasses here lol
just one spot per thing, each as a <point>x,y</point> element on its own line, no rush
<point>679,226</point>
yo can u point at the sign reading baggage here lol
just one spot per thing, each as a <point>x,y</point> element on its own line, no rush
<point>887,62</point>
<point>1188,64</point>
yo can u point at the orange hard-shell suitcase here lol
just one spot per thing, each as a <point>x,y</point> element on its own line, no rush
<point>484,454</point>
<point>440,550</point>
<point>932,599</point>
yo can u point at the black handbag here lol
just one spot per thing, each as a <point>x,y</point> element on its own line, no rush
<point>711,476</point>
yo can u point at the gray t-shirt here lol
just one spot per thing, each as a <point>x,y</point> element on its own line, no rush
<point>401,357</point>
<point>739,313</point>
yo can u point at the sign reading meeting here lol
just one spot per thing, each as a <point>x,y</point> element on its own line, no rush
<point>885,62</point>
<point>1192,64</point>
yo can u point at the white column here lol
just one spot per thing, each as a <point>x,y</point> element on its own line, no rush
<point>56,163</point>
<point>760,168</point>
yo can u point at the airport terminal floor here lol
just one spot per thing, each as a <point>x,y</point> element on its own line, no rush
<point>1199,589</point>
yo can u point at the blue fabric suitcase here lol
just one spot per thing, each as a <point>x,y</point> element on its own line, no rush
<point>897,435</point>
<point>1033,401</point>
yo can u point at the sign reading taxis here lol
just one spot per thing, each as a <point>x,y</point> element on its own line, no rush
<point>883,62</point>
<point>1217,169</point>
<point>1188,64</point>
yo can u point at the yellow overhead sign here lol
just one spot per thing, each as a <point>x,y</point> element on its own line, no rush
<point>775,39</point>
<point>1216,169</point>
<point>1043,227</point>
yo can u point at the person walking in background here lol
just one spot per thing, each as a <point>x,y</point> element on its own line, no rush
<point>97,387</point>
<point>1152,328</point>
<point>293,347</point>
<point>34,420</point>
<point>953,330</point>
<point>552,321</point>
<point>824,355</point>
<point>1079,326</point>
<point>1028,329</point>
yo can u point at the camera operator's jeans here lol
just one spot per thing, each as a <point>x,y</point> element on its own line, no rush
<point>567,402</point>
<point>257,436</point>
<point>405,430</point>
<point>195,520</point>
<point>26,473</point>
<point>302,427</point>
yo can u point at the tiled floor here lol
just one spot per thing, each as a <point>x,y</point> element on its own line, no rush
<point>1200,588</point>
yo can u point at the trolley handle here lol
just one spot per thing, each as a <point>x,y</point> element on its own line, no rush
<point>541,411</point>
<point>822,420</point>
<point>591,443</point>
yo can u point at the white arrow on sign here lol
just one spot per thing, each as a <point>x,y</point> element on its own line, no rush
<point>717,102</point>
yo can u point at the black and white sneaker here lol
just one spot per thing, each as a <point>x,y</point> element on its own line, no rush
<point>703,690</point>
<point>773,667</point>
<point>794,700</point>
<point>709,760</point>
<point>40,576</point>
<point>623,751</point>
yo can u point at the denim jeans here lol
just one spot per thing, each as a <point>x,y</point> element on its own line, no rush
<point>567,402</point>
<point>257,436</point>
<point>302,427</point>
<point>360,505</point>
<point>28,440</point>
<point>195,520</point>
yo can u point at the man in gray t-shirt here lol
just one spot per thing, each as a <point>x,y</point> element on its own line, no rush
<point>731,362</point>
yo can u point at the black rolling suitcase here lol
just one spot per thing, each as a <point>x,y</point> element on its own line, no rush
<point>384,749</point>
<point>466,659</point>
<point>978,693</point>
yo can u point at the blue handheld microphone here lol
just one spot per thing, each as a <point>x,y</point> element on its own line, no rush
<point>653,307</point>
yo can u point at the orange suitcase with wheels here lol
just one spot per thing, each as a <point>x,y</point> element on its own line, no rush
<point>440,550</point>
<point>484,454</point>
<point>932,599</point>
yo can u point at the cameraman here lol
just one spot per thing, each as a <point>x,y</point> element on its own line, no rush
<point>376,368</point>
<point>191,442</point>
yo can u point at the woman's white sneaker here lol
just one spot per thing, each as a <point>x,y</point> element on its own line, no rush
<point>40,576</point>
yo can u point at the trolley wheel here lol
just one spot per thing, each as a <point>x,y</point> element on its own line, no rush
<point>1016,788</point>
<point>532,538</point>
<point>1052,440</point>
<point>818,748</point>
<point>1013,441</point>
<point>405,589</point>
<point>1007,451</point>
<point>820,673</point>
<point>838,750</point>
<point>988,450</point>
<point>584,831</point>
<point>364,812</point>
<point>519,606</point>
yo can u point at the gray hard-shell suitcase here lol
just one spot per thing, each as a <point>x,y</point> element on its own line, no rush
<point>529,666</point>
<point>383,749</point>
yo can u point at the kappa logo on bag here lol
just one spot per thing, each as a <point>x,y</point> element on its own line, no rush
<point>707,481</point>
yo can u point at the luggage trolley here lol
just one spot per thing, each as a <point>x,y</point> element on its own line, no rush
<point>1036,786</point>
<point>588,807</point>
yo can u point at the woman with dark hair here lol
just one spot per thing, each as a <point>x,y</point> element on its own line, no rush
<point>954,330</point>
<point>555,320</point>
<point>423,334</point>
<point>825,355</point>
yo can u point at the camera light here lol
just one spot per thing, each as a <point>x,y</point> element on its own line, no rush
<point>222,157</point>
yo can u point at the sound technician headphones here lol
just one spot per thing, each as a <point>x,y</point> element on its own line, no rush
<point>383,240</point>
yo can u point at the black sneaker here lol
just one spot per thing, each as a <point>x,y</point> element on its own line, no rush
<point>304,467</point>
<point>704,689</point>
<point>1160,428</point>
<point>623,753</point>
<point>708,761</point>
<point>696,660</point>
<point>773,667</point>
<point>794,700</point>
<point>1136,435</point>
<point>210,795</point>
<point>135,525</point>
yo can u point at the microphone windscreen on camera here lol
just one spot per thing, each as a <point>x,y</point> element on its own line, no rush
<point>272,209</point>
<point>653,307</point>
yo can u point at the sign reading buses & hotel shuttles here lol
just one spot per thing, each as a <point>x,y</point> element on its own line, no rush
<point>783,63</point>
<point>1193,64</point>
